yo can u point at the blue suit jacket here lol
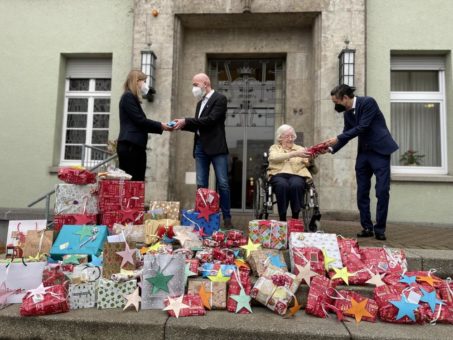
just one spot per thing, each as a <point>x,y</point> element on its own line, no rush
<point>134,126</point>
<point>367,123</point>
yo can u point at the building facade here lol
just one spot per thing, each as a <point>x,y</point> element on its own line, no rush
<point>276,61</point>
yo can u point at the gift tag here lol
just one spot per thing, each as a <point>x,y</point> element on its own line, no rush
<point>38,298</point>
<point>210,198</point>
<point>64,245</point>
<point>413,297</point>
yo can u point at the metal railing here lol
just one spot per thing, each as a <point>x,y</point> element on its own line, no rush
<point>93,159</point>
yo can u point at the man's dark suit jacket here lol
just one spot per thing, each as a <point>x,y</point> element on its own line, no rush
<point>134,126</point>
<point>369,125</point>
<point>211,125</point>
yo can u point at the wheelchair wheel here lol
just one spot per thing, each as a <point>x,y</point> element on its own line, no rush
<point>259,196</point>
<point>310,212</point>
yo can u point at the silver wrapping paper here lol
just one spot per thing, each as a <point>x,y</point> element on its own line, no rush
<point>168,265</point>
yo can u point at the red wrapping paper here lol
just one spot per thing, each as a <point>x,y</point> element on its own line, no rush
<point>54,302</point>
<point>234,289</point>
<point>387,311</point>
<point>319,296</point>
<point>351,258</point>
<point>207,242</point>
<point>295,226</point>
<point>446,291</point>
<point>218,236</point>
<point>74,219</point>
<point>117,195</point>
<point>207,198</point>
<point>317,149</point>
<point>234,235</point>
<point>393,279</point>
<point>204,255</point>
<point>133,216</point>
<point>236,243</point>
<point>441,314</point>
<point>76,176</point>
<point>193,265</point>
<point>225,255</point>
<point>345,304</point>
<point>314,255</point>
<point>195,304</point>
<point>52,276</point>
<point>375,258</point>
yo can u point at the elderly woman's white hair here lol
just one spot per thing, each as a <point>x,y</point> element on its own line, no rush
<point>282,129</point>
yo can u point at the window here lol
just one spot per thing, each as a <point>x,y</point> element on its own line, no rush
<point>86,110</point>
<point>418,114</point>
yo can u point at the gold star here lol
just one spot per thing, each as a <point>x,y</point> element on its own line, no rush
<point>293,310</point>
<point>250,247</point>
<point>342,274</point>
<point>428,279</point>
<point>327,260</point>
<point>155,247</point>
<point>358,309</point>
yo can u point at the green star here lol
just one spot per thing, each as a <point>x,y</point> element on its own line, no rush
<point>243,301</point>
<point>160,282</point>
<point>84,231</point>
<point>72,259</point>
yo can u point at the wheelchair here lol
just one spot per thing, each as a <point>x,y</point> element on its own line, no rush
<point>264,199</point>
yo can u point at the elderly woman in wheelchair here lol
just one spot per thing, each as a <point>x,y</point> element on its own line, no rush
<point>289,171</point>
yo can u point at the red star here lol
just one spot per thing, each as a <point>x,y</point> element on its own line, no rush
<point>128,215</point>
<point>205,212</point>
<point>83,220</point>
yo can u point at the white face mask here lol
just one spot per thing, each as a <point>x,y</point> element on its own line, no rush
<point>198,92</point>
<point>144,89</point>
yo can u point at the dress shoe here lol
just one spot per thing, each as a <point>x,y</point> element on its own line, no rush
<point>380,237</point>
<point>365,233</point>
<point>227,223</point>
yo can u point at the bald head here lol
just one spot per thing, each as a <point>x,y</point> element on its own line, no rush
<point>202,80</point>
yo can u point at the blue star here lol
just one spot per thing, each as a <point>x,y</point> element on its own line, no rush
<point>275,261</point>
<point>408,279</point>
<point>96,261</point>
<point>431,299</point>
<point>405,308</point>
<point>236,253</point>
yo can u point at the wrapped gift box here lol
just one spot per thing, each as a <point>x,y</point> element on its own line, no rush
<point>218,289</point>
<point>111,294</point>
<point>156,230</point>
<point>323,241</point>
<point>118,195</point>
<point>320,296</point>
<point>269,233</point>
<point>76,175</point>
<point>133,216</point>
<point>76,199</point>
<point>191,218</point>
<point>207,198</point>
<point>275,289</point>
<point>446,291</point>
<point>84,273</point>
<point>234,288</point>
<point>73,219</point>
<point>73,239</point>
<point>195,306</point>
<point>295,226</point>
<point>260,259</point>
<point>169,268</point>
<point>384,259</point>
<point>211,269</point>
<point>53,275</point>
<point>52,301</point>
<point>170,209</point>
<point>82,295</point>
<point>301,256</point>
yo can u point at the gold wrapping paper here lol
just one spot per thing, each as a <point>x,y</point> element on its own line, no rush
<point>152,226</point>
<point>170,209</point>
<point>37,241</point>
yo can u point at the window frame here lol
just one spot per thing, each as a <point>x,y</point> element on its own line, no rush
<point>91,95</point>
<point>425,97</point>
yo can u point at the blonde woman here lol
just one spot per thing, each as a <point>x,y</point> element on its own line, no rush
<point>134,127</point>
<point>288,171</point>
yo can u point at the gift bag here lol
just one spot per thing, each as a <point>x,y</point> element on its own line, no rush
<point>163,276</point>
<point>269,233</point>
<point>37,242</point>
<point>21,276</point>
<point>71,198</point>
<point>78,239</point>
<point>52,300</point>
<point>112,261</point>
<point>111,294</point>
<point>76,175</point>
<point>169,209</point>
<point>323,241</point>
<point>17,230</point>
<point>216,292</point>
<point>82,295</point>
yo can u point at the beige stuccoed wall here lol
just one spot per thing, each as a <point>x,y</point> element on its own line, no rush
<point>312,70</point>
<point>34,36</point>
<point>414,26</point>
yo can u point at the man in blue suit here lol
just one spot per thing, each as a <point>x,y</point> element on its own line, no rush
<point>364,119</point>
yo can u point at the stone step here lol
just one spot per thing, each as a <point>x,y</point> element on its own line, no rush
<point>261,324</point>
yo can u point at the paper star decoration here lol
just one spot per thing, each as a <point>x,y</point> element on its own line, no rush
<point>205,296</point>
<point>83,220</point>
<point>342,274</point>
<point>358,309</point>
<point>407,279</point>
<point>36,258</point>
<point>130,215</point>
<point>133,299</point>
<point>327,260</point>
<point>160,282</point>
<point>305,272</point>
<point>405,308</point>
<point>219,277</point>
<point>431,299</point>
<point>243,301</point>
<point>96,261</point>
<point>84,231</point>
<point>205,213</point>
<point>182,238</point>
<point>294,309</point>
<point>376,279</point>
<point>240,263</point>
<point>71,259</point>
<point>275,261</point>
<point>126,254</point>
<point>250,247</point>
<point>176,305</point>
<point>155,247</point>
<point>428,279</point>
<point>144,250</point>
<point>201,232</point>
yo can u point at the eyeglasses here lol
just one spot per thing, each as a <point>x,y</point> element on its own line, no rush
<point>291,137</point>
